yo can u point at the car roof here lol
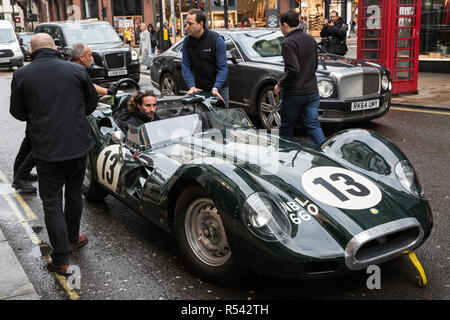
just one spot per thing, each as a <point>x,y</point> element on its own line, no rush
<point>65,23</point>
<point>244,30</point>
<point>5,24</point>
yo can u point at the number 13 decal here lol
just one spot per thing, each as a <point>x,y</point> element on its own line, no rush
<point>341,188</point>
<point>108,166</point>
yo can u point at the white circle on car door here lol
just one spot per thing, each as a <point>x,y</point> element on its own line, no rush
<point>341,188</point>
<point>108,166</point>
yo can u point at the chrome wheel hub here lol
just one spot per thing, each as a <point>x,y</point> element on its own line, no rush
<point>205,233</point>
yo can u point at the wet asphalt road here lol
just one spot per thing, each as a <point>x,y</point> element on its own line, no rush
<point>129,258</point>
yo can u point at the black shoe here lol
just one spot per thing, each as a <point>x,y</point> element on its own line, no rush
<point>23,186</point>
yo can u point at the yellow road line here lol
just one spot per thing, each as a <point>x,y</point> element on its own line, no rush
<point>22,220</point>
<point>33,237</point>
<point>421,110</point>
<point>30,214</point>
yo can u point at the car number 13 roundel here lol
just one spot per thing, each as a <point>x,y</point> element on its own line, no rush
<point>341,188</point>
<point>108,166</point>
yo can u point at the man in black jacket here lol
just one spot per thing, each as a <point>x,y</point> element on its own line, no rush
<point>54,97</point>
<point>299,82</point>
<point>334,32</point>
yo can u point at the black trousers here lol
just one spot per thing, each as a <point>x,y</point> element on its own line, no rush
<point>63,225</point>
<point>24,162</point>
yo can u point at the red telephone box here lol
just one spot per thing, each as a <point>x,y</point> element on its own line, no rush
<point>388,34</point>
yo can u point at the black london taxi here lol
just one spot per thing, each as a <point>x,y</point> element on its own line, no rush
<point>113,60</point>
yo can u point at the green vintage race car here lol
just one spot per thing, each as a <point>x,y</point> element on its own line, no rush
<point>241,200</point>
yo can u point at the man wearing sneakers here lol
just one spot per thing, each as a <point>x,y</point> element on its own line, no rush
<point>54,97</point>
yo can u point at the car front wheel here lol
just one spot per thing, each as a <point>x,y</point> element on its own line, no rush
<point>269,109</point>
<point>91,188</point>
<point>202,238</point>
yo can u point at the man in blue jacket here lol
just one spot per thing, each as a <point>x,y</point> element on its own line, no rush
<point>204,62</point>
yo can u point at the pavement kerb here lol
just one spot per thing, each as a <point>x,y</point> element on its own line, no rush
<point>14,283</point>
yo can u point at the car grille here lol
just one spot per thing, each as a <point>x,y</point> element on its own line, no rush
<point>115,60</point>
<point>383,242</point>
<point>6,53</point>
<point>359,85</point>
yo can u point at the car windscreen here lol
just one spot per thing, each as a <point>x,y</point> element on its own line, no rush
<point>7,36</point>
<point>89,34</point>
<point>261,44</point>
<point>173,130</point>
<point>27,38</point>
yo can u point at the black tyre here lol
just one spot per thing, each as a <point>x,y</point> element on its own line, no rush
<point>202,238</point>
<point>92,189</point>
<point>269,109</point>
<point>168,85</point>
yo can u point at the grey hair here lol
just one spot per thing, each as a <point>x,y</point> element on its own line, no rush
<point>78,50</point>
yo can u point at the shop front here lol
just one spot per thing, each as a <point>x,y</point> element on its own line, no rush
<point>435,36</point>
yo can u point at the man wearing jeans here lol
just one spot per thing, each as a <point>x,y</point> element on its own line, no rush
<point>299,84</point>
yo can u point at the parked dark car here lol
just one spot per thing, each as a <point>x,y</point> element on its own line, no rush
<point>113,59</point>
<point>24,40</point>
<point>350,89</point>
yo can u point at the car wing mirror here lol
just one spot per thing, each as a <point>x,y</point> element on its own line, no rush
<point>21,41</point>
<point>57,42</point>
<point>118,137</point>
<point>231,57</point>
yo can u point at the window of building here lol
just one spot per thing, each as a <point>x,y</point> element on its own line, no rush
<point>127,7</point>
<point>91,9</point>
<point>435,30</point>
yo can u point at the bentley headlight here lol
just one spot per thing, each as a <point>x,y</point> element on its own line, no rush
<point>264,219</point>
<point>134,55</point>
<point>325,88</point>
<point>407,177</point>
<point>385,82</point>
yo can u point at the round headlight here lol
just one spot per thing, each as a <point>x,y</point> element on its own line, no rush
<point>407,177</point>
<point>134,55</point>
<point>264,220</point>
<point>325,88</point>
<point>385,82</point>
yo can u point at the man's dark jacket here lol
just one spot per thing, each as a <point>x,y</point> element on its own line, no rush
<point>54,97</point>
<point>299,52</point>
<point>335,37</point>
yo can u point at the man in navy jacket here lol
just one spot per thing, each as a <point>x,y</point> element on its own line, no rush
<point>54,97</point>
<point>204,61</point>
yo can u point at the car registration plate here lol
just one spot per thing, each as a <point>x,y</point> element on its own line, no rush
<point>117,73</point>
<point>365,105</point>
<point>4,60</point>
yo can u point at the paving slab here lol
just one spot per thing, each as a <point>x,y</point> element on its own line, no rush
<point>14,283</point>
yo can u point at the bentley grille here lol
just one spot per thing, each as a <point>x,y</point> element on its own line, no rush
<point>6,53</point>
<point>359,85</point>
<point>115,60</point>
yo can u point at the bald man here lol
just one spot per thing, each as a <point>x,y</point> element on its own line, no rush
<point>54,97</point>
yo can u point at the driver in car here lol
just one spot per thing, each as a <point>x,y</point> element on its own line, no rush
<point>141,109</point>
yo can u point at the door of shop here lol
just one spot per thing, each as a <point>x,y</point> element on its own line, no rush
<point>389,35</point>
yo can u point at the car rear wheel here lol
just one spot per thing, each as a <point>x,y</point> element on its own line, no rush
<point>202,238</point>
<point>91,188</point>
<point>168,85</point>
<point>269,109</point>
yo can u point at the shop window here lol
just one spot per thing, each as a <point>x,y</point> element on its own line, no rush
<point>91,7</point>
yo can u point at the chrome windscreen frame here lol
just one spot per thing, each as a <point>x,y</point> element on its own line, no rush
<point>384,230</point>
